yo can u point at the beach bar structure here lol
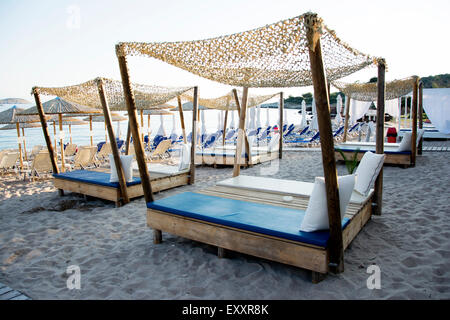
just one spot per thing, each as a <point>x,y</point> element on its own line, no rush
<point>295,52</point>
<point>103,94</point>
<point>225,154</point>
<point>396,154</point>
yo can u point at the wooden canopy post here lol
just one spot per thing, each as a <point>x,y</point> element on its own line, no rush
<point>225,127</point>
<point>106,133</point>
<point>183,127</point>
<point>194,135</point>
<point>134,128</point>
<point>241,133</point>
<point>336,247</point>
<point>381,98</point>
<point>61,142</point>
<point>114,148</point>
<point>142,124</point>
<point>54,134</point>
<point>414,121</point>
<point>420,115</point>
<point>20,145</point>
<point>280,150</point>
<point>24,144</point>
<point>347,115</point>
<point>90,130</point>
<point>70,133</point>
<point>45,130</point>
<point>127,142</point>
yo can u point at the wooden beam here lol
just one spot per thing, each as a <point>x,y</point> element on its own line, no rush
<point>420,115</point>
<point>180,110</point>
<point>134,126</point>
<point>20,145</point>
<point>280,151</point>
<point>335,246</point>
<point>347,115</point>
<point>61,142</point>
<point>194,135</point>
<point>40,109</point>
<point>142,124</point>
<point>241,133</point>
<point>127,142</point>
<point>381,85</point>
<point>113,142</point>
<point>414,121</point>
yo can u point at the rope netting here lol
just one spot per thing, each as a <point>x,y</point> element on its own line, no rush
<point>86,93</point>
<point>369,91</point>
<point>275,55</point>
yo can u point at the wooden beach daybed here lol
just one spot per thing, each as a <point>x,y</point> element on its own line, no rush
<point>97,183</point>
<point>264,223</point>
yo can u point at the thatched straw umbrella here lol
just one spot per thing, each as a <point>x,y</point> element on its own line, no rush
<point>11,116</point>
<point>60,106</point>
<point>115,117</point>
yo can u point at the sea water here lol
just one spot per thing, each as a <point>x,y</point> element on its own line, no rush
<point>81,137</point>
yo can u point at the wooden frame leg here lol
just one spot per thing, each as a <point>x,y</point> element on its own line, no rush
<point>221,252</point>
<point>157,236</point>
<point>317,277</point>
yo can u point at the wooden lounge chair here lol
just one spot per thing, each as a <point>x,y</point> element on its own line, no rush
<point>35,150</point>
<point>161,151</point>
<point>85,158</point>
<point>9,162</point>
<point>104,152</point>
<point>41,164</point>
<point>70,150</point>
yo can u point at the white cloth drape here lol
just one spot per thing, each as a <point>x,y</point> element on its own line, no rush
<point>202,116</point>
<point>285,117</point>
<point>174,126</point>
<point>436,104</point>
<point>303,114</point>
<point>358,109</point>
<point>161,131</point>
<point>258,117</point>
<point>314,123</point>
<point>338,110</point>
<point>252,124</point>
<point>267,117</point>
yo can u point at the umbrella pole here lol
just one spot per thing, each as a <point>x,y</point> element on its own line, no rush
<point>347,114</point>
<point>420,115</point>
<point>90,131</point>
<point>127,145</point>
<point>241,133</point>
<point>54,135</point>
<point>280,150</point>
<point>414,121</point>
<point>20,145</point>
<point>335,246</point>
<point>180,110</point>
<point>70,133</point>
<point>61,142</point>
<point>112,139</point>
<point>24,144</point>
<point>148,127</point>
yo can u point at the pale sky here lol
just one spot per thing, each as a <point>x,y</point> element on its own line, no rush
<point>58,43</point>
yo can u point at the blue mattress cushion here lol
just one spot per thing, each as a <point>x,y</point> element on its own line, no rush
<point>362,149</point>
<point>255,217</point>
<point>93,177</point>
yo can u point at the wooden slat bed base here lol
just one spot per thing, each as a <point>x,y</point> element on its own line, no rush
<point>159,182</point>
<point>268,247</point>
<point>398,159</point>
<point>229,161</point>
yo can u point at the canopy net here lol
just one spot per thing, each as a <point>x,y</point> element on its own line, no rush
<point>228,102</point>
<point>369,91</point>
<point>275,55</point>
<point>86,93</point>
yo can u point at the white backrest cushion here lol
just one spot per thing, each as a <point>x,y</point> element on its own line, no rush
<point>420,133</point>
<point>274,142</point>
<point>405,145</point>
<point>368,169</point>
<point>126,162</point>
<point>185,157</point>
<point>316,216</point>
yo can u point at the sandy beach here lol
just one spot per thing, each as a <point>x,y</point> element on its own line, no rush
<point>41,234</point>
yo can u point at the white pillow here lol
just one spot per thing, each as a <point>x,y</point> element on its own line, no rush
<point>368,169</point>
<point>405,145</point>
<point>250,140</point>
<point>316,216</point>
<point>185,157</point>
<point>274,142</point>
<point>126,165</point>
<point>420,133</point>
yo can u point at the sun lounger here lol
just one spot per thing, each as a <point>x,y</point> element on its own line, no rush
<point>39,165</point>
<point>9,162</point>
